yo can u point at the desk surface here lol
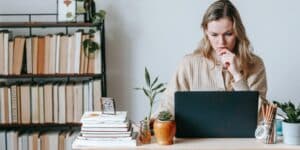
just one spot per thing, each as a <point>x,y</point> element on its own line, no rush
<point>213,144</point>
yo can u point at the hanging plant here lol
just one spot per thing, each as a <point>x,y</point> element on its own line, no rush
<point>99,17</point>
<point>89,45</point>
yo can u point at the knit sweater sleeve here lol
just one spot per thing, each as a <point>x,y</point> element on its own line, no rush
<point>256,81</point>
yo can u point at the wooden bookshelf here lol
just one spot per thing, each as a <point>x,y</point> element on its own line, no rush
<point>6,80</point>
<point>45,24</point>
<point>60,79</point>
<point>41,127</point>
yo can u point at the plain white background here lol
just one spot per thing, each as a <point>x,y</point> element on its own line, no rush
<point>158,33</point>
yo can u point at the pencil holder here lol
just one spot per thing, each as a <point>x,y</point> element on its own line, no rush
<point>266,130</point>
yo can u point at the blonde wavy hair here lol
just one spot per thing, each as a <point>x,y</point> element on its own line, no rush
<point>225,9</point>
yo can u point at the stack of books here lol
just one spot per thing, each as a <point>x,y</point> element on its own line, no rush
<point>103,130</point>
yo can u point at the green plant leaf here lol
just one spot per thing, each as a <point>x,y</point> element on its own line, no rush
<point>91,31</point>
<point>146,92</point>
<point>292,114</point>
<point>155,80</point>
<point>158,86</point>
<point>90,46</point>
<point>147,77</point>
<point>162,90</point>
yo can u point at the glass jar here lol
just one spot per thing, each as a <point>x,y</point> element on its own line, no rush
<point>145,133</point>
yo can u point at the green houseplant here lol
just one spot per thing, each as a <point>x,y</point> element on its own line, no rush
<point>151,90</point>
<point>291,122</point>
<point>164,128</point>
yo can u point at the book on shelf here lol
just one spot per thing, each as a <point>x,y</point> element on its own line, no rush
<point>62,103</point>
<point>48,103</point>
<point>2,140</point>
<point>25,104</point>
<point>35,109</point>
<point>4,52</point>
<point>55,103</point>
<point>18,54</point>
<point>34,47</point>
<point>10,56</point>
<point>41,104</point>
<point>41,55</point>
<point>97,95</point>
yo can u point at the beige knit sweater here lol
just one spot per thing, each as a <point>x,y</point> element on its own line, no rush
<point>196,73</point>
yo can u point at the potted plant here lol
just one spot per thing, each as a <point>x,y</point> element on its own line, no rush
<point>151,91</point>
<point>291,123</point>
<point>164,128</point>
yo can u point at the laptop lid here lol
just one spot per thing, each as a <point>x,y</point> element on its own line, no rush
<point>217,114</point>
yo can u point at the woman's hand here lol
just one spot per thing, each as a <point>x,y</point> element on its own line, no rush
<point>230,62</point>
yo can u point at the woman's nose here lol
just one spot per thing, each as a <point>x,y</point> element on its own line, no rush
<point>221,40</point>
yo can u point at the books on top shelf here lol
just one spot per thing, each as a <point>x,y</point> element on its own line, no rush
<point>49,54</point>
<point>103,130</point>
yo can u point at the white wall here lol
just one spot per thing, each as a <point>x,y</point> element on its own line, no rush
<point>158,33</point>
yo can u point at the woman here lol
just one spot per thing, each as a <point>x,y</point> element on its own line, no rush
<point>224,60</point>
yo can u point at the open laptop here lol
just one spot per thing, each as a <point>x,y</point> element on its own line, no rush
<point>218,114</point>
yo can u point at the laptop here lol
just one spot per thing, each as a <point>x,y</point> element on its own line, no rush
<point>217,114</point>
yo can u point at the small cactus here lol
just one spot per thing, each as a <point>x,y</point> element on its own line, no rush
<point>164,116</point>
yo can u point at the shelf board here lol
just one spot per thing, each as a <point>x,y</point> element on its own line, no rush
<point>49,78</point>
<point>41,127</point>
<point>45,24</point>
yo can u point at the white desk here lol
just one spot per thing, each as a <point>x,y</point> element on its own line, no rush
<point>212,144</point>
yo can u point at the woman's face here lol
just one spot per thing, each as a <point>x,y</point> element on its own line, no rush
<point>220,34</point>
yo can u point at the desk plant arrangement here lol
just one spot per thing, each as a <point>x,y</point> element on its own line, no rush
<point>291,122</point>
<point>151,90</point>
<point>164,128</point>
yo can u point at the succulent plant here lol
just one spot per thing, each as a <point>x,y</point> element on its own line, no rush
<point>292,113</point>
<point>164,116</point>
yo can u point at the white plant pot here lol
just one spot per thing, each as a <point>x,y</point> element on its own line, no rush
<point>291,133</point>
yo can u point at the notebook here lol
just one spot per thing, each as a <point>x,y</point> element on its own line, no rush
<point>216,114</point>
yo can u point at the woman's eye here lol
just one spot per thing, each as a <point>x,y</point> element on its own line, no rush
<point>228,34</point>
<point>214,35</point>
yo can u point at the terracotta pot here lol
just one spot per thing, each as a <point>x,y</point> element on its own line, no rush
<point>164,131</point>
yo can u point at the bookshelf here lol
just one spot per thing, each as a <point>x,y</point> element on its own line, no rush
<point>57,78</point>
